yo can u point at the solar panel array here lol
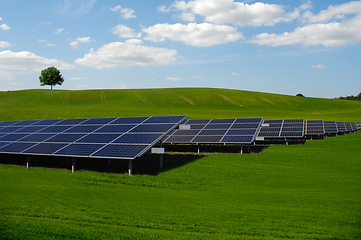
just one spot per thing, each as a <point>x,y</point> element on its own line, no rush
<point>289,128</point>
<point>314,127</point>
<point>120,138</point>
<point>330,127</point>
<point>236,130</point>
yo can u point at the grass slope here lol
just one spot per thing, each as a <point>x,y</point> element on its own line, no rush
<point>197,103</point>
<point>309,191</point>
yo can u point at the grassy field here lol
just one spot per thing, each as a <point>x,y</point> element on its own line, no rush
<point>309,191</point>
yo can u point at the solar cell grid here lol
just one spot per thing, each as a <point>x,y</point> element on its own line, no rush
<point>9,129</point>
<point>70,122</point>
<point>269,134</point>
<point>179,139</point>
<point>215,121</point>
<point>246,125</point>
<point>98,138</point>
<point>120,151</point>
<point>16,147</point>
<point>37,137</point>
<point>83,129</point>
<point>12,137</point>
<point>166,119</point>
<point>242,132</point>
<point>47,122</point>
<point>202,121</point>
<point>115,128</point>
<point>348,127</point>
<point>79,149</point>
<point>54,129</point>
<point>248,120</point>
<point>137,138</point>
<point>134,121</point>
<point>212,132</point>
<point>97,121</point>
<point>152,128</point>
<point>65,137</point>
<point>45,148</point>
<point>25,123</point>
<point>217,126</point>
<point>186,132</point>
<point>291,134</point>
<point>237,139</point>
<point>207,139</point>
<point>8,123</point>
<point>30,129</point>
<point>2,144</point>
<point>197,126</point>
<point>273,121</point>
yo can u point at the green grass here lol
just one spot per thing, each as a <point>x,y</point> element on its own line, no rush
<point>309,191</point>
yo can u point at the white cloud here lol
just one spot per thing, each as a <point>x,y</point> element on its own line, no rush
<point>75,43</point>
<point>80,86</point>
<point>235,74</point>
<point>333,12</point>
<point>189,17</point>
<point>134,41</point>
<point>228,11</point>
<point>59,30</point>
<point>27,61</point>
<point>163,9</point>
<point>199,35</point>
<point>123,31</point>
<point>50,45</point>
<point>41,40</point>
<point>4,27</point>
<point>4,44</point>
<point>319,66</point>
<point>329,35</point>
<point>126,13</point>
<point>7,75</point>
<point>118,54</point>
<point>344,28</point>
<point>174,78</point>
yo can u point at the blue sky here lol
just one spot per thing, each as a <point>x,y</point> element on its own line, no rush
<point>275,46</point>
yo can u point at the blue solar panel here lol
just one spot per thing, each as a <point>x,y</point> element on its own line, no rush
<point>212,132</point>
<point>25,123</point>
<point>98,138</point>
<point>115,129</point>
<point>9,129</point>
<point>179,139</point>
<point>65,137</point>
<point>31,129</point>
<point>246,125</point>
<point>79,149</point>
<point>248,120</point>
<point>218,126</point>
<point>237,139</point>
<point>201,121</point>
<point>152,128</point>
<point>131,120</point>
<point>186,132</point>
<point>83,129</point>
<point>138,138</point>
<point>3,144</point>
<point>207,139</point>
<point>54,129</point>
<point>37,137</point>
<point>242,132</point>
<point>8,123</point>
<point>70,122</point>
<point>121,151</point>
<point>45,148</point>
<point>12,137</point>
<point>215,121</point>
<point>47,122</point>
<point>167,119</point>
<point>16,147</point>
<point>97,121</point>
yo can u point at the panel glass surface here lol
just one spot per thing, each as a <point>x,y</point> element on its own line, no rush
<point>179,139</point>
<point>126,151</point>
<point>30,129</point>
<point>54,129</point>
<point>9,129</point>
<point>12,137</point>
<point>7,123</point>
<point>45,148</point>
<point>36,137</point>
<point>152,128</point>
<point>83,150</point>
<point>237,139</point>
<point>65,138</point>
<point>25,123</point>
<point>47,122</point>
<point>137,138</point>
<point>70,122</point>
<point>186,132</point>
<point>207,139</point>
<point>166,119</point>
<point>98,138</point>
<point>115,128</point>
<point>16,147</point>
<point>83,129</point>
<point>98,121</point>
<point>135,120</point>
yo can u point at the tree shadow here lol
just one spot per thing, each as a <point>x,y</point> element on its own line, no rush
<point>148,164</point>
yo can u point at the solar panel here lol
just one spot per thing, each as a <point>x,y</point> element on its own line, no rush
<point>292,128</point>
<point>341,127</point>
<point>348,127</point>
<point>314,127</point>
<point>330,127</point>
<point>271,129</point>
<point>235,130</point>
<point>124,138</point>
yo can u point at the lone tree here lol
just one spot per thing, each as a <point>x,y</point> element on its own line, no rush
<point>51,76</point>
<point>299,95</point>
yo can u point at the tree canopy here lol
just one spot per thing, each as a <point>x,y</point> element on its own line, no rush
<point>51,76</point>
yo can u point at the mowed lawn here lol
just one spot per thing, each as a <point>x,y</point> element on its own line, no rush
<point>309,191</point>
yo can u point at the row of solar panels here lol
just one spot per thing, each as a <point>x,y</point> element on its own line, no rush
<point>121,138</point>
<point>128,138</point>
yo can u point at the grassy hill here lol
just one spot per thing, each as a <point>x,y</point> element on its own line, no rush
<point>309,191</point>
<point>197,103</point>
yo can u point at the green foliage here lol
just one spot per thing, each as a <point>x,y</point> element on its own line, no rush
<point>309,191</point>
<point>299,95</point>
<point>51,76</point>
<point>352,97</point>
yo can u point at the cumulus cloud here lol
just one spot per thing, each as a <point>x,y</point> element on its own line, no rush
<point>118,54</point>
<point>123,31</point>
<point>75,43</point>
<point>27,61</point>
<point>319,66</point>
<point>344,28</point>
<point>174,78</point>
<point>59,30</point>
<point>163,9</point>
<point>199,35</point>
<point>134,41</point>
<point>4,44</point>
<point>235,74</point>
<point>4,27</point>
<point>125,12</point>
<point>228,11</point>
<point>7,75</point>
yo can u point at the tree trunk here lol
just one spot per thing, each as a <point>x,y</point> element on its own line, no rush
<point>51,87</point>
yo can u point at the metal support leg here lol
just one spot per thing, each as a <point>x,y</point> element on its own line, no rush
<point>241,149</point>
<point>130,167</point>
<point>73,165</point>
<point>199,148</point>
<point>28,162</point>
<point>249,148</point>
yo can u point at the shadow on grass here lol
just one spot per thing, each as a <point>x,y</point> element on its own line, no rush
<point>148,164</point>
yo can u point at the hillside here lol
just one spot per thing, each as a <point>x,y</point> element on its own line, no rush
<point>197,103</point>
